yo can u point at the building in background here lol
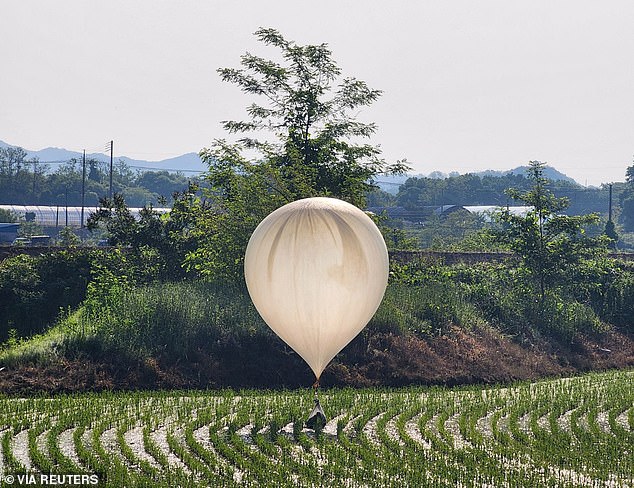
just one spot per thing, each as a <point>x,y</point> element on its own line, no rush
<point>8,232</point>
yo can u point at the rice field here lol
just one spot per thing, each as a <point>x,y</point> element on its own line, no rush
<point>556,433</point>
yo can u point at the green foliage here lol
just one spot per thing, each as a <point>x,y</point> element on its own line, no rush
<point>379,198</point>
<point>118,221</point>
<point>414,437</point>
<point>611,234</point>
<point>158,243</point>
<point>310,119</point>
<point>448,231</point>
<point>109,278</point>
<point>417,193</point>
<point>552,246</point>
<point>17,182</point>
<point>424,310</point>
<point>626,241</point>
<point>178,320</point>
<point>241,197</point>
<point>311,149</point>
<point>13,340</point>
<point>30,182</point>
<point>33,289</point>
<point>482,240</point>
<point>394,235</point>
<point>612,293</point>
<point>397,238</point>
<point>68,238</point>
<point>627,213</point>
<point>162,183</point>
<point>172,320</point>
<point>6,216</point>
<point>466,189</point>
<point>184,319</point>
<point>629,174</point>
<point>626,198</point>
<point>502,296</point>
<point>29,228</point>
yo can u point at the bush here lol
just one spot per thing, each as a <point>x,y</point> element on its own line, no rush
<point>503,296</point>
<point>617,304</point>
<point>498,293</point>
<point>169,319</point>
<point>178,320</point>
<point>33,289</point>
<point>424,301</point>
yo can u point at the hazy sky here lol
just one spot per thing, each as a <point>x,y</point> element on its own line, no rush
<point>468,85</point>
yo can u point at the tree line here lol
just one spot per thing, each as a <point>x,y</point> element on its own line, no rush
<point>472,189</point>
<point>27,181</point>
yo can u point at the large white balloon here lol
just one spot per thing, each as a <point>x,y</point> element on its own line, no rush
<point>316,270</point>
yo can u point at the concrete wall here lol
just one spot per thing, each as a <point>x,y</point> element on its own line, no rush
<point>397,256</point>
<point>472,257</point>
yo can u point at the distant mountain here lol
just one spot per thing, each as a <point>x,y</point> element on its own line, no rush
<point>191,162</point>
<point>549,172</point>
<point>186,163</point>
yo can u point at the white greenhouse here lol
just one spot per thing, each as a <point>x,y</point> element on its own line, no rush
<point>60,216</point>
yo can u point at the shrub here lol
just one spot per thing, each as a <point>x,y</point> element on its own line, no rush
<point>168,319</point>
<point>33,289</point>
<point>428,308</point>
<point>617,304</point>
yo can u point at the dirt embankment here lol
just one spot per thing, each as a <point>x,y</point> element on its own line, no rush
<point>459,357</point>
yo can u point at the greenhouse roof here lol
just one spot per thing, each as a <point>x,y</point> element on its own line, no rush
<point>53,216</point>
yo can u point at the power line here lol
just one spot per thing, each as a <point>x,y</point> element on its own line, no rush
<point>111,158</point>
<point>150,168</point>
<point>169,169</point>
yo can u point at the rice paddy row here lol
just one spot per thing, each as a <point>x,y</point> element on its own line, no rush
<point>561,433</point>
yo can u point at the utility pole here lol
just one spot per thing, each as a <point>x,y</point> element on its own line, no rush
<point>83,187</point>
<point>110,192</point>
<point>610,230</point>
<point>34,172</point>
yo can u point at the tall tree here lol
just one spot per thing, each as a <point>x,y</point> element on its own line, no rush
<point>301,139</point>
<point>309,111</point>
<point>12,159</point>
<point>629,174</point>
<point>551,245</point>
<point>627,201</point>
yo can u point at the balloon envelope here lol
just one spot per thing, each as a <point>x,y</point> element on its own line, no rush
<point>316,270</point>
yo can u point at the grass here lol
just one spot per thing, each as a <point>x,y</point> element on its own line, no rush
<point>174,319</point>
<point>165,318</point>
<point>201,333</point>
<point>39,349</point>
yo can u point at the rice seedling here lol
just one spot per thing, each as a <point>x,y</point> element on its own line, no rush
<point>562,433</point>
